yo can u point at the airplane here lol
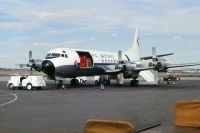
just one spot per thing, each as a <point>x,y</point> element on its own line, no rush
<point>61,63</point>
<point>161,64</point>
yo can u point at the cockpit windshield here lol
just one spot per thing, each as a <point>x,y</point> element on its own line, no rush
<point>56,55</point>
<point>52,55</point>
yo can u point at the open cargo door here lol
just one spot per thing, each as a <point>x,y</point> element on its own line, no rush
<point>86,60</point>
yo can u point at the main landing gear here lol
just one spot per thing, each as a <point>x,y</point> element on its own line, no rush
<point>134,83</point>
<point>74,82</point>
<point>106,81</point>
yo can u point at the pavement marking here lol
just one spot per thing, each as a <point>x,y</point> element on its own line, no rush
<point>15,98</point>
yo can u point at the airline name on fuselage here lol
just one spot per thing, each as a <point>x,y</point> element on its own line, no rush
<point>102,55</point>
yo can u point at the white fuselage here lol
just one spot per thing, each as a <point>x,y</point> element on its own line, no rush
<point>71,63</point>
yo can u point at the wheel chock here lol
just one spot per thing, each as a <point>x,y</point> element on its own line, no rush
<point>106,126</point>
<point>187,113</point>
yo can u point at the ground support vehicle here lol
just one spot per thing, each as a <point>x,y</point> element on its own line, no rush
<point>28,82</point>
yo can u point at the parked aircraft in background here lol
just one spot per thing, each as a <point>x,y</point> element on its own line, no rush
<point>61,63</point>
<point>161,64</point>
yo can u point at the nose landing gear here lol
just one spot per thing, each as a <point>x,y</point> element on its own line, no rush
<point>60,85</point>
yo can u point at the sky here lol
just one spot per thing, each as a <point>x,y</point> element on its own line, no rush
<point>109,25</point>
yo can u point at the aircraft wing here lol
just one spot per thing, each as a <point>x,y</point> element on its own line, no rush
<point>117,71</point>
<point>143,68</point>
<point>113,71</point>
<point>110,71</point>
<point>150,57</point>
<point>182,65</point>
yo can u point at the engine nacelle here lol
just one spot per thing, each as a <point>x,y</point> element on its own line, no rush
<point>129,67</point>
<point>160,66</point>
<point>125,65</point>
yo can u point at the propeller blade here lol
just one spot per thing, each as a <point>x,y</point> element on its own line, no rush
<point>154,54</point>
<point>120,55</point>
<point>120,77</point>
<point>31,61</point>
<point>30,55</point>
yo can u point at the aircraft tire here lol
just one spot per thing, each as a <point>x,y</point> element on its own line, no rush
<point>74,82</point>
<point>62,86</point>
<point>134,83</point>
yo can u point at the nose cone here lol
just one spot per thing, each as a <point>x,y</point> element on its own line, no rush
<point>48,68</point>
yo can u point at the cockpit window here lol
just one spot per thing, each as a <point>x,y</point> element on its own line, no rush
<point>48,56</point>
<point>55,55</point>
<point>52,55</point>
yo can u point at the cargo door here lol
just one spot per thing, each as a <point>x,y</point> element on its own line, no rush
<point>86,60</point>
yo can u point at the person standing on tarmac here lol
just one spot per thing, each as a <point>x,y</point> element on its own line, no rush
<point>101,81</point>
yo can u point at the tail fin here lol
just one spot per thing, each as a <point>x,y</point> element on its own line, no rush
<point>133,53</point>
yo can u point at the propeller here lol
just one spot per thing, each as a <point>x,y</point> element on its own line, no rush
<point>34,63</point>
<point>154,54</point>
<point>157,61</point>
<point>154,62</point>
<point>31,61</point>
<point>30,55</point>
<point>120,76</point>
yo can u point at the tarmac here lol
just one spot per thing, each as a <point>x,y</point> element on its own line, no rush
<point>65,111</point>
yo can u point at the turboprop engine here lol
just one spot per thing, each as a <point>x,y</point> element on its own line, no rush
<point>158,63</point>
